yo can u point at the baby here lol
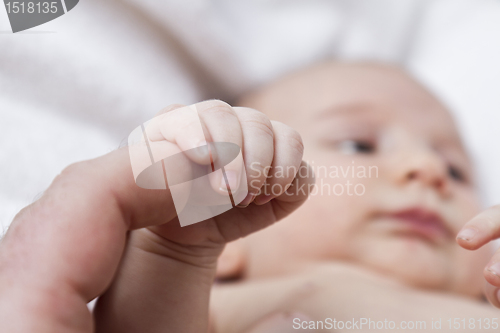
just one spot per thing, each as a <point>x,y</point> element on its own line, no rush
<point>404,190</point>
<point>375,240</point>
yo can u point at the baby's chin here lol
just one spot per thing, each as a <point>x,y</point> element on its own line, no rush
<point>410,260</point>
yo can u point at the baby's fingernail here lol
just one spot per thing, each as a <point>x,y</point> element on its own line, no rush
<point>232,179</point>
<point>467,234</point>
<point>202,148</point>
<point>494,269</point>
<point>248,199</point>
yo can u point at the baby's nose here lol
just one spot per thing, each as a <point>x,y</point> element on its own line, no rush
<point>425,165</point>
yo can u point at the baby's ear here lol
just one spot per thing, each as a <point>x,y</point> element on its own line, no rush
<point>232,261</point>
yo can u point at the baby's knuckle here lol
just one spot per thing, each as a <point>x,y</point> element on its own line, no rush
<point>262,125</point>
<point>295,141</point>
<point>216,107</point>
<point>224,112</point>
<point>170,108</point>
<point>217,102</point>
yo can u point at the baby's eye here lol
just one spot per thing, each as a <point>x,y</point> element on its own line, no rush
<point>356,147</point>
<point>456,174</point>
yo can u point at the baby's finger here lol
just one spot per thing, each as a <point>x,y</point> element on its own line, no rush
<point>482,229</point>
<point>288,152</point>
<point>153,127</point>
<point>169,108</point>
<point>492,270</point>
<point>258,149</point>
<point>183,127</point>
<point>192,127</point>
<point>492,294</point>
<point>223,126</point>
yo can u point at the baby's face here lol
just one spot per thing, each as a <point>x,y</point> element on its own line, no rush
<point>411,191</point>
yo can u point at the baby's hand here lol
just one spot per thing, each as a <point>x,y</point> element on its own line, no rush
<point>150,271</point>
<point>272,155</point>
<point>479,231</point>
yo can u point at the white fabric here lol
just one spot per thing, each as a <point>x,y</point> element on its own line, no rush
<point>74,88</point>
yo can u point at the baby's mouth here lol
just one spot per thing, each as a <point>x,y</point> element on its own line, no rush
<point>420,222</point>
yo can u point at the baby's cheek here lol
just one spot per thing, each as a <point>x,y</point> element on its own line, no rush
<point>340,223</point>
<point>338,209</point>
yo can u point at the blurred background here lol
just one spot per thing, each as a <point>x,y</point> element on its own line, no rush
<point>74,88</point>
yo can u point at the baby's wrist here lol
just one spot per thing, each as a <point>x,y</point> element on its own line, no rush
<point>202,257</point>
<point>170,279</point>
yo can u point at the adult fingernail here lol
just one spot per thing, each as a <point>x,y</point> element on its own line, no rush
<point>245,202</point>
<point>494,269</point>
<point>232,179</point>
<point>467,234</point>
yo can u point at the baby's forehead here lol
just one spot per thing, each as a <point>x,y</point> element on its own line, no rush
<point>358,91</point>
<point>333,84</point>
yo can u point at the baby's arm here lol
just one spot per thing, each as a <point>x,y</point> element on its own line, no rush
<point>479,231</point>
